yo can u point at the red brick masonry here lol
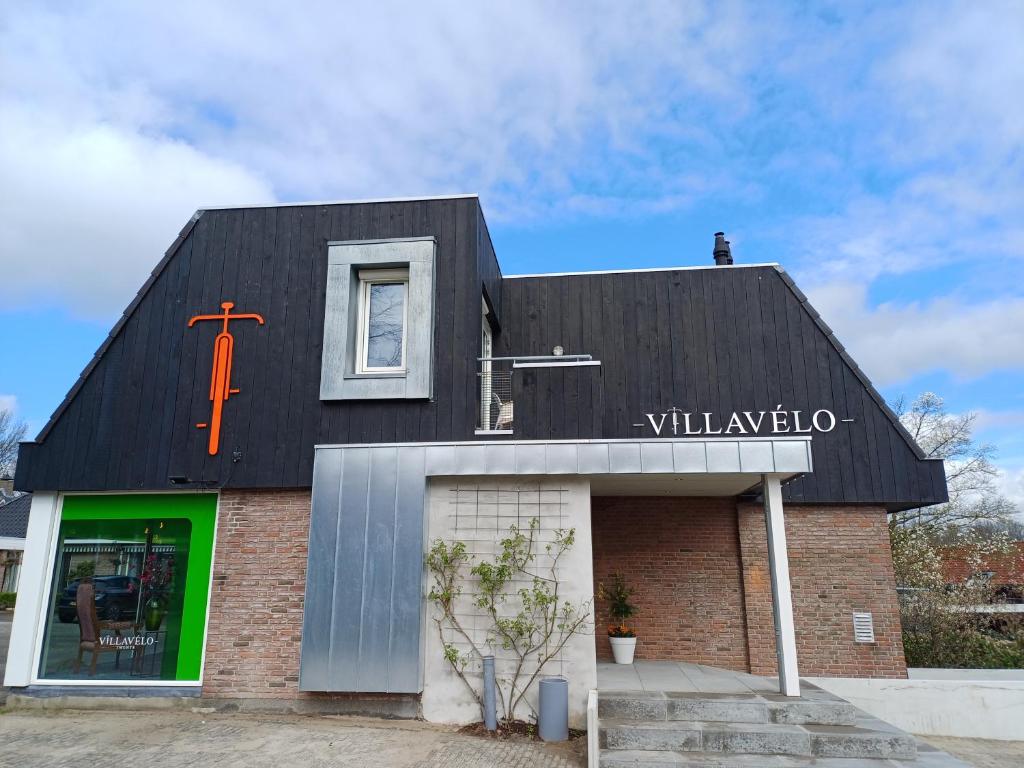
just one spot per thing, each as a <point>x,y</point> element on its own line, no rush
<point>699,565</point>
<point>259,579</point>
<point>700,568</point>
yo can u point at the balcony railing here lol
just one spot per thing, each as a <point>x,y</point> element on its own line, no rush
<point>496,407</point>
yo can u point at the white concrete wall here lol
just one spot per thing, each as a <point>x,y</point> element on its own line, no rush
<point>32,588</point>
<point>968,708</point>
<point>478,511</point>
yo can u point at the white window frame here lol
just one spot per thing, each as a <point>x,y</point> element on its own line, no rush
<point>367,279</point>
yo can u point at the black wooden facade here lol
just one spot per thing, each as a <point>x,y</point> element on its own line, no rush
<point>717,339</point>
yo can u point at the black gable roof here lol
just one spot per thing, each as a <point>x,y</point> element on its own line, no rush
<point>14,517</point>
<point>721,339</point>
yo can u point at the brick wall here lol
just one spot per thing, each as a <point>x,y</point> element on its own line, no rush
<point>700,567</point>
<point>683,558</point>
<point>840,562</point>
<point>259,577</point>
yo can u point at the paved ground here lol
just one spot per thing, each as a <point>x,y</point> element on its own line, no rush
<point>982,753</point>
<point>179,739</point>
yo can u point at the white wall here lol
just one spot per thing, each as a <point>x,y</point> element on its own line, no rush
<point>478,512</point>
<point>32,588</point>
<point>965,707</point>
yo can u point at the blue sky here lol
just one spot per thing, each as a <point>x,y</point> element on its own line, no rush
<point>875,150</point>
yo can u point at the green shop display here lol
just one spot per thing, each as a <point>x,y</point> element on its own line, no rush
<point>130,587</point>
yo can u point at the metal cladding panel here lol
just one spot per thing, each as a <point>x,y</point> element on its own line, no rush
<point>724,457</point>
<point>795,455</point>
<point>757,457</point>
<point>690,456</point>
<point>361,630</point>
<point>593,458</point>
<point>323,542</point>
<point>364,605</point>
<point>656,457</point>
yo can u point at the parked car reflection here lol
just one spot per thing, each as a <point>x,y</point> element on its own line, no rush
<point>116,598</point>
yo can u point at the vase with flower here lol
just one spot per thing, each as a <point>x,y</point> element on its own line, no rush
<point>621,636</point>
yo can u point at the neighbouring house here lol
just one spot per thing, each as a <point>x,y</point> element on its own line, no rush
<point>1002,571</point>
<point>302,397</point>
<point>14,510</point>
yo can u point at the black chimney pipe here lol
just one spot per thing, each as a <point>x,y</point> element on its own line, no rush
<point>723,256</point>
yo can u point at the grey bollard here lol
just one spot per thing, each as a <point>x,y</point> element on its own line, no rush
<point>553,715</point>
<point>490,713</point>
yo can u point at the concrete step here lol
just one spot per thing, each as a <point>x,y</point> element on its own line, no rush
<point>816,708</point>
<point>840,741</point>
<point>643,759</point>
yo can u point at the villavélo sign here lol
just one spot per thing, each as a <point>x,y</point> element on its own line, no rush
<point>676,421</point>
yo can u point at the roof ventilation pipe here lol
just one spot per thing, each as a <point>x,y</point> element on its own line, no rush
<point>723,256</point>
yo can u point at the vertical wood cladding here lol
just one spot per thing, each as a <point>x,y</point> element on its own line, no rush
<point>709,340</point>
<point>130,423</point>
<point>717,340</point>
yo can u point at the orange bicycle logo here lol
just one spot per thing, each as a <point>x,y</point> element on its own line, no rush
<point>220,379</point>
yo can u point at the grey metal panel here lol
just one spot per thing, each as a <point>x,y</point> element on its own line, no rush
<point>407,606</point>
<point>756,457</point>
<point>470,460</point>
<point>500,459</point>
<point>723,457</point>
<point>323,540</point>
<point>656,457</point>
<point>531,459</point>
<point>347,597</point>
<point>364,609</point>
<point>440,460</point>
<point>792,456</point>
<point>593,458</point>
<point>690,456</point>
<point>338,380</point>
<point>624,457</point>
<point>562,459</point>
<point>378,568</point>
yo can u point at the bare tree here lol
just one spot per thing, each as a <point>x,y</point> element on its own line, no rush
<point>11,433</point>
<point>970,473</point>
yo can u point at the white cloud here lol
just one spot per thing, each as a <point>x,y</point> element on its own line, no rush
<point>8,403</point>
<point>88,209</point>
<point>122,119</point>
<point>894,342</point>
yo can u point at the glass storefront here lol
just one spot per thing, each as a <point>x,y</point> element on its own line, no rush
<point>129,588</point>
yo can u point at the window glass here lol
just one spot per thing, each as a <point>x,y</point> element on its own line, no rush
<point>128,597</point>
<point>385,325</point>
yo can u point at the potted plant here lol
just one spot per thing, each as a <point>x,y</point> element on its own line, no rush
<point>621,636</point>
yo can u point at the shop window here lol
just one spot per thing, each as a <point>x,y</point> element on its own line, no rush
<point>129,589</point>
<point>383,304</point>
<point>379,320</point>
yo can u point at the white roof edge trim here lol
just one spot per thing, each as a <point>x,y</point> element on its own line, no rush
<point>340,202</point>
<point>635,440</point>
<point>647,269</point>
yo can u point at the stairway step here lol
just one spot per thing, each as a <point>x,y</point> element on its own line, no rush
<point>838,741</point>
<point>645,759</point>
<point>755,739</point>
<point>721,708</point>
<point>812,712</point>
<point>851,741</point>
<point>814,709</point>
<point>663,736</point>
<point>633,705</point>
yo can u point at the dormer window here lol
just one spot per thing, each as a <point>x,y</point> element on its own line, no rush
<point>383,320</point>
<point>379,320</point>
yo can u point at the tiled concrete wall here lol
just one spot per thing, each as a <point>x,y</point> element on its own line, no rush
<point>479,511</point>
